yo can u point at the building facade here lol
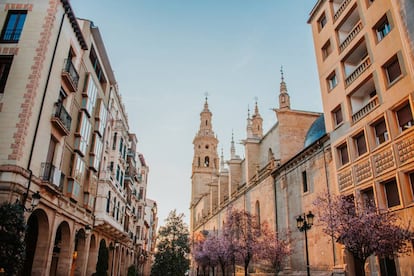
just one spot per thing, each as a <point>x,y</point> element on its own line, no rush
<point>364,53</point>
<point>65,136</point>
<point>282,173</point>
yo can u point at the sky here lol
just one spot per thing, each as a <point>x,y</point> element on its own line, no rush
<point>167,55</point>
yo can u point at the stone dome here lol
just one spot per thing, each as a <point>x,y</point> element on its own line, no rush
<point>316,131</point>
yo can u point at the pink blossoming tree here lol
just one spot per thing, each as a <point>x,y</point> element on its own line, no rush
<point>363,230</point>
<point>272,249</point>
<point>242,231</point>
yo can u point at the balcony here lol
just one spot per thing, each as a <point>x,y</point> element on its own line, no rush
<point>339,9</point>
<point>70,75</point>
<point>365,63</point>
<point>371,105</point>
<point>50,174</point>
<point>352,34</point>
<point>364,99</point>
<point>61,119</point>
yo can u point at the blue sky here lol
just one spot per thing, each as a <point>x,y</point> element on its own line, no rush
<point>166,54</point>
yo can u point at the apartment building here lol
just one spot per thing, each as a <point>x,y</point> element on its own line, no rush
<point>364,53</point>
<point>66,139</point>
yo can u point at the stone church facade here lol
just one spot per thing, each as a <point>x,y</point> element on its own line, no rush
<point>283,172</point>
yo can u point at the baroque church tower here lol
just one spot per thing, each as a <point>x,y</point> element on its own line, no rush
<point>206,165</point>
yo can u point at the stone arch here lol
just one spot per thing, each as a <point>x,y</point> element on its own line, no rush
<point>36,245</point>
<point>93,256</point>
<point>79,252</point>
<point>62,255</point>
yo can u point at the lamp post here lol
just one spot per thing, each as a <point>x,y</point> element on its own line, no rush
<point>35,201</point>
<point>305,223</point>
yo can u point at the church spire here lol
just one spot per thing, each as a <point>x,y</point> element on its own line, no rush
<point>232,148</point>
<point>222,161</point>
<point>257,122</point>
<point>206,128</point>
<point>284,98</point>
<point>249,128</point>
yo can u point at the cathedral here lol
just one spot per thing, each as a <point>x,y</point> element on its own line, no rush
<point>283,172</point>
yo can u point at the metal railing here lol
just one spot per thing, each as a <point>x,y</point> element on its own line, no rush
<point>61,114</point>
<point>69,68</point>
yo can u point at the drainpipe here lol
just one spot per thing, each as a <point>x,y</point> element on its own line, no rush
<point>41,110</point>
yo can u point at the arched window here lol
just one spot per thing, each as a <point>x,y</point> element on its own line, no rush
<point>206,161</point>
<point>206,122</point>
<point>269,154</point>
<point>258,213</point>
<point>199,162</point>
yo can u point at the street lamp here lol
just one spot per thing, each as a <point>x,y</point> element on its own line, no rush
<point>35,201</point>
<point>305,223</point>
<point>88,229</point>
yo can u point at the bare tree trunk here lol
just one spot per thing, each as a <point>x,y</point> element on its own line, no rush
<point>359,266</point>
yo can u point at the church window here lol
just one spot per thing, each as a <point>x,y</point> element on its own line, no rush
<point>305,182</point>
<point>258,213</point>
<point>206,161</point>
<point>199,161</point>
<point>206,146</point>
<point>206,122</point>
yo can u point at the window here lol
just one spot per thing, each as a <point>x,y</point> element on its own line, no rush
<point>141,193</point>
<point>343,154</point>
<point>332,81</point>
<point>206,161</point>
<point>382,28</point>
<point>404,117</point>
<point>77,169</point>
<point>380,131</point>
<point>322,21</point>
<point>97,66</point>
<point>5,64</point>
<point>108,202</point>
<point>83,133</point>
<point>368,198</point>
<point>89,96</point>
<point>304,182</point>
<point>337,115</point>
<point>360,143</point>
<point>258,213</point>
<point>326,49</point>
<point>391,193</point>
<point>392,70</point>
<point>13,26</point>
<point>411,179</point>
<point>114,142</point>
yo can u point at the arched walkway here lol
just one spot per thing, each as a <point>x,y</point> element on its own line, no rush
<point>62,254</point>
<point>93,256</point>
<point>36,245</point>
<point>79,253</point>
